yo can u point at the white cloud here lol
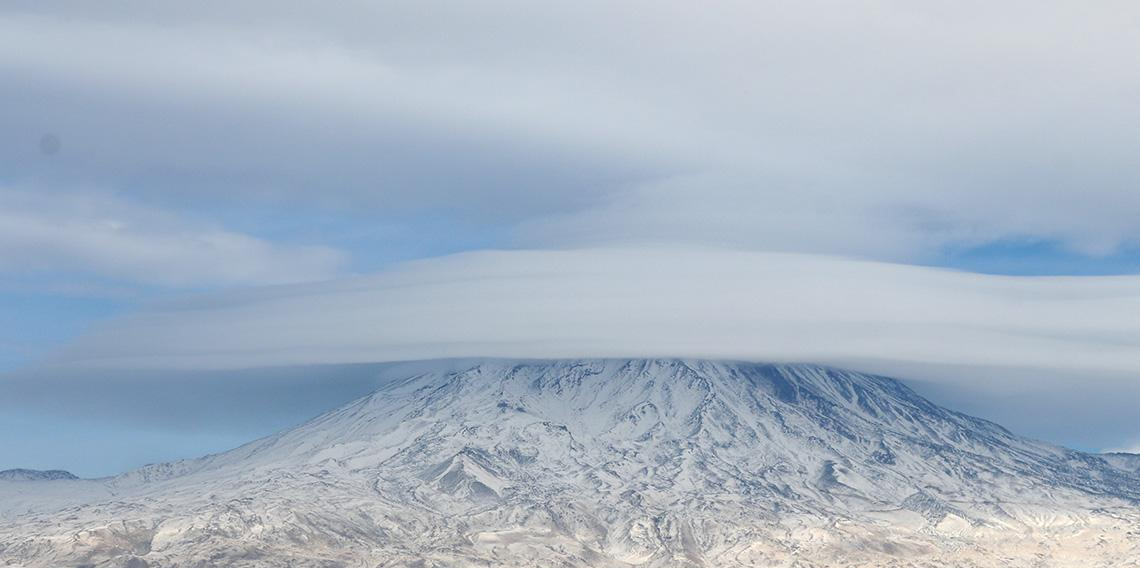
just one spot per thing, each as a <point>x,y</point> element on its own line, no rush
<point>118,240</point>
<point>644,302</point>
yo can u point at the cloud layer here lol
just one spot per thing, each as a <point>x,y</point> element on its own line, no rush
<point>644,302</point>
<point>874,128</point>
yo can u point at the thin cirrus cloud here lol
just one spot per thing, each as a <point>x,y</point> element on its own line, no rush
<point>876,129</point>
<point>121,241</point>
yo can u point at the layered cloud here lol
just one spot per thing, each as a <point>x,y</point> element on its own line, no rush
<point>874,128</point>
<point>644,302</point>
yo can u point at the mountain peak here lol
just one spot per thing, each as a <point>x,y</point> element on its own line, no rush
<point>613,462</point>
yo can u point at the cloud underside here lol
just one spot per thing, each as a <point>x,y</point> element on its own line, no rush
<point>643,302</point>
<point>878,129</point>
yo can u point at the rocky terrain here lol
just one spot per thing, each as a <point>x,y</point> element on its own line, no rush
<point>604,463</point>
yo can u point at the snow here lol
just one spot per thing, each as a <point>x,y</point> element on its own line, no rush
<point>651,462</point>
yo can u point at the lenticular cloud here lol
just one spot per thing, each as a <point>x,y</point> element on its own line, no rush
<point>641,302</point>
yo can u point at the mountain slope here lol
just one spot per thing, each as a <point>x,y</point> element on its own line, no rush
<point>610,463</point>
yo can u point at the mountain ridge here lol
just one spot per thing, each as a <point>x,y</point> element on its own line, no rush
<point>22,474</point>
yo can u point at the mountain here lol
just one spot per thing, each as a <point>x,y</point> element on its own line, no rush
<point>1123,460</point>
<point>604,463</point>
<point>35,475</point>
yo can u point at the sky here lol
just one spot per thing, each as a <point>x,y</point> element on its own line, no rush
<point>216,193</point>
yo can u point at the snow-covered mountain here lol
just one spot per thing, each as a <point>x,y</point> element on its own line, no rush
<point>35,475</point>
<point>604,463</point>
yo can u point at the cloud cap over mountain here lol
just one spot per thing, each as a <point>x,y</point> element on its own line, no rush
<point>642,302</point>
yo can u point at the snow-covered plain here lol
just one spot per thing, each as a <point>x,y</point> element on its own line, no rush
<point>604,463</point>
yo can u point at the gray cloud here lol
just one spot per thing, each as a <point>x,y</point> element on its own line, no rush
<point>217,115</point>
<point>643,302</point>
<point>874,128</point>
